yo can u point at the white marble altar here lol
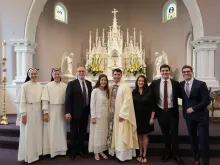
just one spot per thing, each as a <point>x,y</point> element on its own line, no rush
<point>104,57</point>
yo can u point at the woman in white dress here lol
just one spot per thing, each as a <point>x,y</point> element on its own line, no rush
<point>99,118</point>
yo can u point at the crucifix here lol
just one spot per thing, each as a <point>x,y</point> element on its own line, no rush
<point>114,11</point>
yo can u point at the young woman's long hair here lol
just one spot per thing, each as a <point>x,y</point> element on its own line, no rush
<point>97,85</point>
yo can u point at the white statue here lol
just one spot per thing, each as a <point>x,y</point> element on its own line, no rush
<point>160,60</point>
<point>66,64</point>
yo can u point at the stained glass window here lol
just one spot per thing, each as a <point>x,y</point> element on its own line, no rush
<point>60,13</point>
<point>170,10</point>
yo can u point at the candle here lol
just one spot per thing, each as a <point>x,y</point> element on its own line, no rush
<point>4,74</point>
<point>3,49</point>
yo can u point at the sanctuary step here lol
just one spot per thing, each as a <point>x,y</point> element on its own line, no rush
<point>9,138</point>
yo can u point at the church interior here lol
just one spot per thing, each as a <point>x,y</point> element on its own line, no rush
<point>102,36</point>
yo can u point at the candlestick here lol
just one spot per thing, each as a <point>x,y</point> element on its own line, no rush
<point>103,37</point>
<point>90,41</point>
<point>4,119</point>
<point>140,41</point>
<point>134,37</point>
<point>96,37</point>
<point>127,37</point>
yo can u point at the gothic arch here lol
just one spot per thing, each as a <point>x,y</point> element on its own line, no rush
<point>38,5</point>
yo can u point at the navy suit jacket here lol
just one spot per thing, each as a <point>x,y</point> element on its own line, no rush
<point>199,99</point>
<point>74,103</point>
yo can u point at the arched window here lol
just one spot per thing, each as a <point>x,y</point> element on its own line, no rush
<point>169,10</point>
<point>60,13</point>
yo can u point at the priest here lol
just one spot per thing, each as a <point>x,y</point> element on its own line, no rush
<point>122,134</point>
<point>54,133</point>
<point>29,100</point>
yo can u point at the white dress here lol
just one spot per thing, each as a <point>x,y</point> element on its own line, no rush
<point>54,131</point>
<point>30,142</point>
<point>99,131</point>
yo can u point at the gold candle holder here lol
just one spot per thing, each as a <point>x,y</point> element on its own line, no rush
<point>4,119</point>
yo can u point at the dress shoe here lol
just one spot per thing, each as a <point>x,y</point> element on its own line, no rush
<point>73,157</point>
<point>196,163</point>
<point>178,160</point>
<point>82,154</point>
<point>165,158</point>
<point>119,161</point>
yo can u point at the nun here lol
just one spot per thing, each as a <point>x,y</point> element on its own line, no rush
<point>54,133</point>
<point>31,125</point>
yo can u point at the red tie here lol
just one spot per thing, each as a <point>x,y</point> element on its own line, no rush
<point>165,96</point>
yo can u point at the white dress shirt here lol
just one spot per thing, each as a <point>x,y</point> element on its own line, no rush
<point>169,94</point>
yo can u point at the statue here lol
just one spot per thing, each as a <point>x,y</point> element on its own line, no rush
<point>66,64</point>
<point>160,60</point>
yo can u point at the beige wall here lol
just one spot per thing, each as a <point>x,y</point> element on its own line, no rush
<point>210,14</point>
<point>55,38</point>
<point>13,15</point>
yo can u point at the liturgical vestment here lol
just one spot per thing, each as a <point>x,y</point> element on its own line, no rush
<point>54,133</point>
<point>123,138</point>
<point>30,142</point>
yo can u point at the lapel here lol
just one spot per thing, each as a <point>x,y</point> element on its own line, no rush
<point>173,89</point>
<point>87,84</point>
<point>183,89</point>
<point>158,88</point>
<point>79,87</point>
<point>193,87</point>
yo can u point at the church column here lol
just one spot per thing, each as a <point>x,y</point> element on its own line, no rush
<point>204,51</point>
<point>24,59</point>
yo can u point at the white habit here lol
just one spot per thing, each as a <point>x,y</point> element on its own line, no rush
<point>54,133</point>
<point>30,142</point>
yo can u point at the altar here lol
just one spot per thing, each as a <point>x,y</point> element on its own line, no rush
<point>103,56</point>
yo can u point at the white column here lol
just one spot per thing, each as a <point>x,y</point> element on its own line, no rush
<point>24,60</point>
<point>204,52</point>
<point>24,57</point>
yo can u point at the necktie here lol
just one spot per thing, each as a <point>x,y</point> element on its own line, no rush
<point>187,89</point>
<point>84,94</point>
<point>165,96</point>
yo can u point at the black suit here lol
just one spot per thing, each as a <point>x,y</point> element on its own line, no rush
<point>168,120</point>
<point>74,104</point>
<point>198,99</point>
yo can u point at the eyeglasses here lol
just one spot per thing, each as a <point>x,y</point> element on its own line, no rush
<point>81,71</point>
<point>188,71</point>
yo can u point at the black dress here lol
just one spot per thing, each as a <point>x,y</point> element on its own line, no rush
<point>143,110</point>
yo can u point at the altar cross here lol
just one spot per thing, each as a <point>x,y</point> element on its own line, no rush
<point>114,12</point>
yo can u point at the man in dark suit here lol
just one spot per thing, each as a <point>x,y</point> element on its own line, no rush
<point>195,101</point>
<point>77,109</point>
<point>165,93</point>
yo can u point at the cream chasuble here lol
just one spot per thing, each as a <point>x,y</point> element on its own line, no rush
<point>124,135</point>
<point>30,142</point>
<point>54,133</point>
